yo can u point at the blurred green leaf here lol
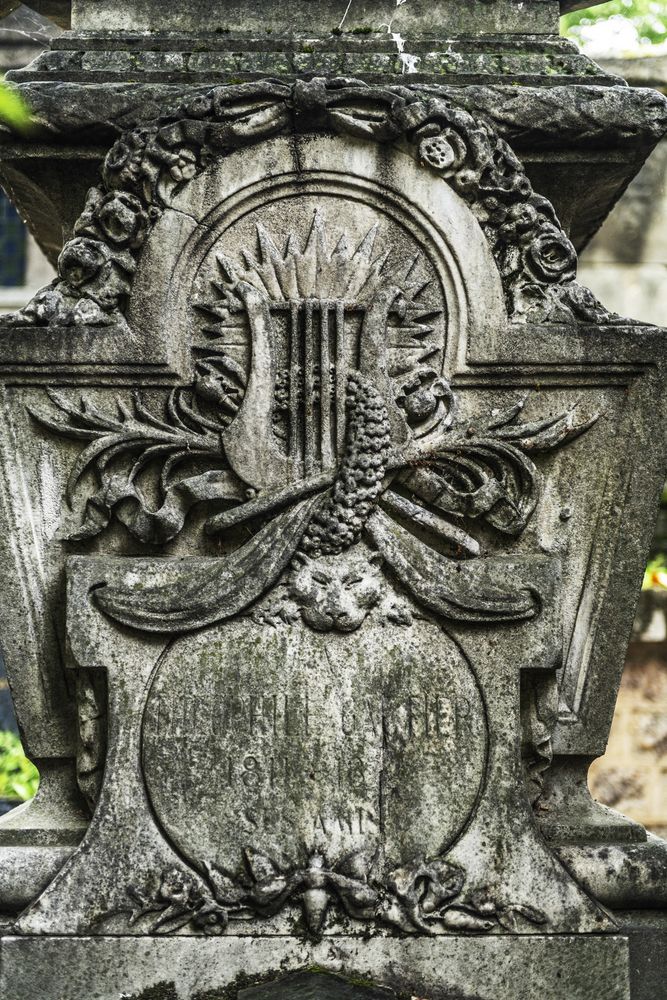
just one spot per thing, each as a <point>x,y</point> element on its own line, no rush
<point>13,109</point>
<point>655,574</point>
<point>648,17</point>
<point>19,777</point>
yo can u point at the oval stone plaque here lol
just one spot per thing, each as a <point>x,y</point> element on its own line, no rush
<point>290,741</point>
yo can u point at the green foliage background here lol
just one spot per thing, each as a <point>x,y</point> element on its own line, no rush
<point>12,109</point>
<point>648,16</point>
<point>18,777</point>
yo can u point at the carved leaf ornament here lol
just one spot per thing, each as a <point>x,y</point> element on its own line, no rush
<point>426,898</point>
<point>381,450</point>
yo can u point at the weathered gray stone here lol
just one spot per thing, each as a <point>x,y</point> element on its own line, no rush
<point>560,967</point>
<point>438,17</point>
<point>626,263</point>
<point>625,877</point>
<point>327,492</point>
<point>60,11</point>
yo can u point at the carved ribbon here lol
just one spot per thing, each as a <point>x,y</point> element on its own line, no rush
<point>124,502</point>
<point>462,592</point>
<point>213,591</point>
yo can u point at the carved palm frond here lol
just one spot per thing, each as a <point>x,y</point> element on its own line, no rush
<point>124,445</point>
<point>133,432</point>
<point>538,435</point>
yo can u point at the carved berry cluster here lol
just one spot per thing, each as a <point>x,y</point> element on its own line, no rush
<point>359,483</point>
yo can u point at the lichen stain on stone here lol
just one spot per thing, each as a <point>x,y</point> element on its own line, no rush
<point>408,61</point>
<point>167,991</point>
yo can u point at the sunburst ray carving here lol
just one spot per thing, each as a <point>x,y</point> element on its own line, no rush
<point>331,270</point>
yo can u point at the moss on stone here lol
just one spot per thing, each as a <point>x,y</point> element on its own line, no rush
<point>161,991</point>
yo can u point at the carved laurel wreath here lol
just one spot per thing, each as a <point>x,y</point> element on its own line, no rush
<point>535,258</point>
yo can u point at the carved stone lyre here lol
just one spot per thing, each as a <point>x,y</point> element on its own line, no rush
<point>315,363</point>
<point>352,472</point>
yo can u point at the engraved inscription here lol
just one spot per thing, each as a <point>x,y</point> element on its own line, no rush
<point>301,742</point>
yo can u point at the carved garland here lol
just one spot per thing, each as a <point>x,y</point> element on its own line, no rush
<point>535,258</point>
<point>425,898</point>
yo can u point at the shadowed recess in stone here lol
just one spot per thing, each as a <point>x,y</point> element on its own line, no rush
<point>320,985</point>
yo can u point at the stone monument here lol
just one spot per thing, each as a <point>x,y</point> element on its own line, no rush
<point>326,494</point>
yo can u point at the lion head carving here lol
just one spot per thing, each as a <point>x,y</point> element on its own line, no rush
<point>337,592</point>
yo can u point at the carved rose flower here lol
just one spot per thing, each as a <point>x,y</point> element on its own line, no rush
<point>122,166</point>
<point>444,152</point>
<point>421,395</point>
<point>176,887</point>
<point>518,222</point>
<point>466,182</point>
<point>551,256</point>
<point>184,165</point>
<point>118,217</point>
<point>81,261</point>
<point>90,268</point>
<point>119,157</point>
<point>123,220</point>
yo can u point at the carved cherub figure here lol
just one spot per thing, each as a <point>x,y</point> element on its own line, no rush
<point>337,592</point>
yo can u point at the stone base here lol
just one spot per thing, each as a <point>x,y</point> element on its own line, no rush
<point>186,968</point>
